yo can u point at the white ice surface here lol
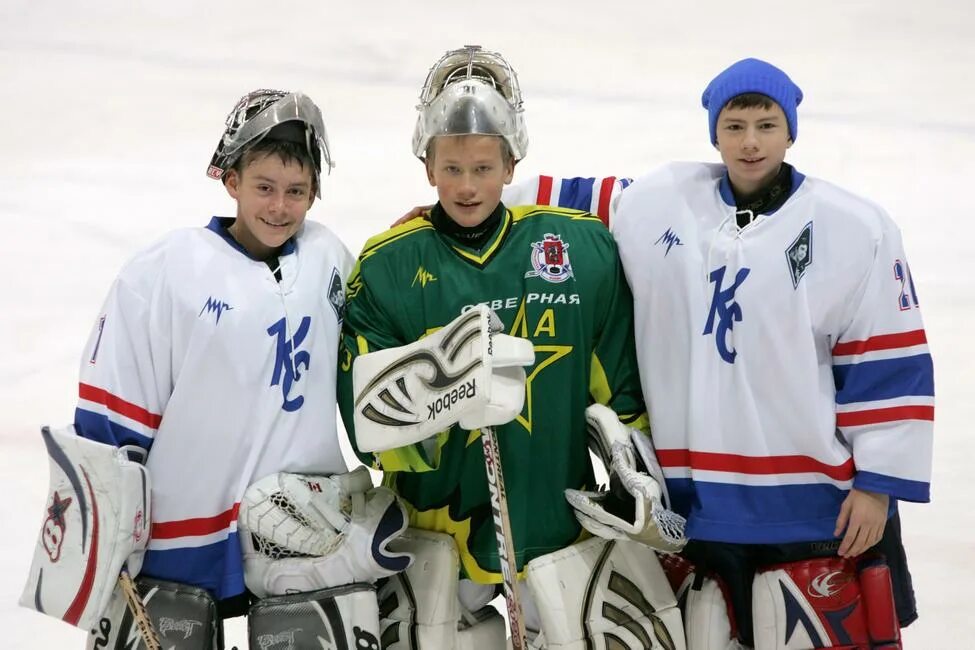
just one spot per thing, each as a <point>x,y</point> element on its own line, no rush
<point>110,111</point>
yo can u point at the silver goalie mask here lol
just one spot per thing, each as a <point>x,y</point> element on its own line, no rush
<point>259,111</point>
<point>471,91</point>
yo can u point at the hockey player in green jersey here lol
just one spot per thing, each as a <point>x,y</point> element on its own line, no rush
<point>415,391</point>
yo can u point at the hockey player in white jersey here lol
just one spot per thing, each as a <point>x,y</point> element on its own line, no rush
<point>786,372</point>
<point>214,360</point>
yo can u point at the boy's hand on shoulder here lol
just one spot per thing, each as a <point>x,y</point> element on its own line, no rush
<point>418,211</point>
<point>863,515</point>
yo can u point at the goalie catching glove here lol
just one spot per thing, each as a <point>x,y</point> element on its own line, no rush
<point>466,372</point>
<point>637,505</point>
<point>302,533</point>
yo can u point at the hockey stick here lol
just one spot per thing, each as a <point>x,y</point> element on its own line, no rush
<point>502,532</point>
<point>138,609</point>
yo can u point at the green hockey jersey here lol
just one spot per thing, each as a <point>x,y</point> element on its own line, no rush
<point>553,276</point>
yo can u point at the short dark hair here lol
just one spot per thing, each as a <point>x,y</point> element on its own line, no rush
<point>751,100</point>
<point>287,151</point>
<point>506,153</point>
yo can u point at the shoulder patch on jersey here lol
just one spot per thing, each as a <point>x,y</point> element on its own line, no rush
<point>336,294</point>
<point>799,255</point>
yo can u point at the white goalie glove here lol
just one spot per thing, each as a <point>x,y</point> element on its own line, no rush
<point>467,373</point>
<point>608,514</point>
<point>301,532</point>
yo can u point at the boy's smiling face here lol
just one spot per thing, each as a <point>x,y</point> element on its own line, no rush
<point>469,172</point>
<point>273,197</point>
<point>752,142</point>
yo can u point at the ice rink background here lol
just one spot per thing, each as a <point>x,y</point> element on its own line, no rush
<point>110,112</point>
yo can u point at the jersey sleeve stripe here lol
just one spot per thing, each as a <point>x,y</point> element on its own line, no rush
<point>605,195</point>
<point>101,428</point>
<point>905,489</point>
<point>719,462</point>
<point>196,526</point>
<point>882,379</point>
<point>216,567</point>
<point>544,190</point>
<point>881,342</point>
<point>576,193</point>
<point>892,414</point>
<point>119,405</point>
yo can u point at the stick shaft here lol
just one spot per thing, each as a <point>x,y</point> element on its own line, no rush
<point>139,614</point>
<point>505,540</point>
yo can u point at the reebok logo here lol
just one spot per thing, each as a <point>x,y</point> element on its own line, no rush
<point>446,401</point>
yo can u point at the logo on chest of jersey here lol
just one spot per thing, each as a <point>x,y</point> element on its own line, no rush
<point>289,360</point>
<point>550,259</point>
<point>669,239</point>
<point>724,312</point>
<point>799,254</point>
<point>214,306</point>
<point>422,277</point>
<point>336,295</point>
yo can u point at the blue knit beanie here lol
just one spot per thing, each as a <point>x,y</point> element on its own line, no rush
<point>752,76</point>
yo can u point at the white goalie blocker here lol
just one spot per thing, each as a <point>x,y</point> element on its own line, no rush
<point>467,373</point>
<point>638,507</point>
<point>96,522</point>
<point>303,533</point>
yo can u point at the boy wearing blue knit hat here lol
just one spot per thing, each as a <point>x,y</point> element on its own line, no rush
<point>786,370</point>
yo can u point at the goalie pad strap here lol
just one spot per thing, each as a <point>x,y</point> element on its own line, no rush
<point>419,608</point>
<point>182,615</point>
<point>604,594</point>
<point>97,520</point>
<point>340,617</point>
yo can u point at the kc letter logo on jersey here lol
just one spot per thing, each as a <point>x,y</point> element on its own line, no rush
<point>727,311</point>
<point>288,362</point>
<point>799,254</point>
<point>550,259</point>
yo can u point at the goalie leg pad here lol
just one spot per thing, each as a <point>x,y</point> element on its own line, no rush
<point>709,622</point>
<point>419,608</point>
<point>340,617</point>
<point>96,521</point>
<point>183,616</point>
<point>482,630</point>
<point>604,594</point>
<point>823,603</point>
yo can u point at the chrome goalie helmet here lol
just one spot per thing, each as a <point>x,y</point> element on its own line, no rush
<point>471,91</point>
<point>260,111</point>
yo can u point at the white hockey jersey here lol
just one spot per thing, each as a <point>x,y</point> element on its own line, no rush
<point>225,375</point>
<point>782,363</point>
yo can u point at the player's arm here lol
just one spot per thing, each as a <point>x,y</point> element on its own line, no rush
<point>885,380</point>
<point>125,377</point>
<point>598,196</point>
<point>884,395</point>
<point>614,379</point>
<point>366,328</point>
